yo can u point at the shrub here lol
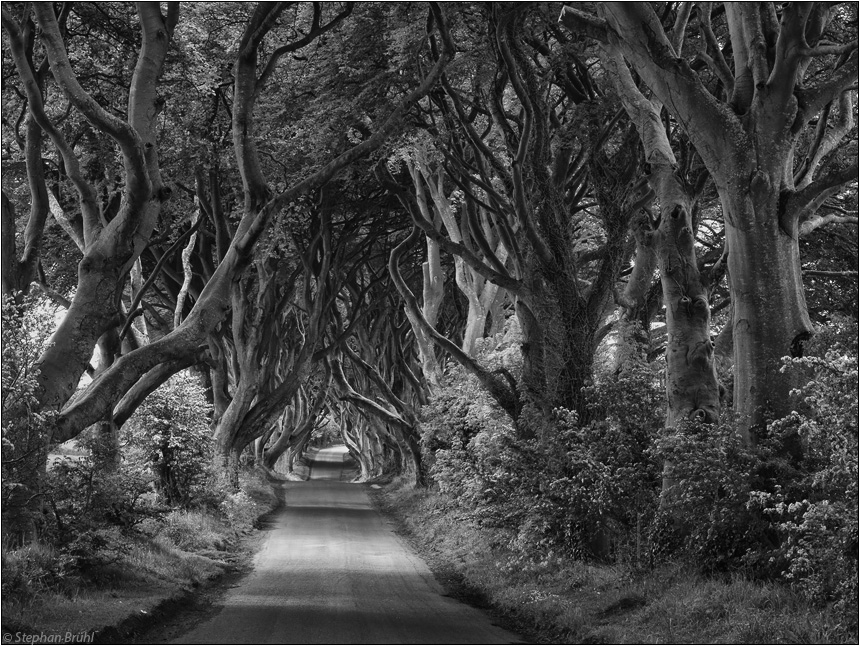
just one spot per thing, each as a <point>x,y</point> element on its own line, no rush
<point>462,427</point>
<point>709,471</point>
<point>813,508</point>
<point>778,513</point>
<point>553,485</point>
<point>29,571</point>
<point>169,433</point>
<point>580,491</point>
<point>192,530</point>
<point>94,509</point>
<point>90,551</point>
<point>27,325</point>
<point>240,510</point>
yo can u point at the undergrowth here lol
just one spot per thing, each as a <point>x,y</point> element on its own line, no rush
<point>569,600</point>
<point>116,519</point>
<point>749,543</point>
<point>91,582</point>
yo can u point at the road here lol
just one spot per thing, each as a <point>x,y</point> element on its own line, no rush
<point>331,571</point>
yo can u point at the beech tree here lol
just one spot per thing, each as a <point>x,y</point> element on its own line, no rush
<point>768,120</point>
<point>527,141</point>
<point>376,372</point>
<point>114,231</point>
<point>260,205</point>
<point>691,380</point>
<point>435,205</point>
<point>282,443</point>
<point>110,247</point>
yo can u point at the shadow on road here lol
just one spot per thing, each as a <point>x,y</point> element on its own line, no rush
<point>331,571</point>
<point>332,463</point>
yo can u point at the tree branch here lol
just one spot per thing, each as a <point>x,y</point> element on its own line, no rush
<point>581,22</point>
<point>138,185</point>
<point>813,99</point>
<point>86,193</point>
<point>507,399</point>
<point>800,201</point>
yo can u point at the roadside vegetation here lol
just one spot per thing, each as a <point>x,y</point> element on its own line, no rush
<point>766,558</point>
<point>584,274</point>
<point>122,534</point>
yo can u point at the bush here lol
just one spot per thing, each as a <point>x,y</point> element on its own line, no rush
<point>29,571</point>
<point>94,509</point>
<point>86,496</point>
<point>813,508</point>
<point>192,530</point>
<point>27,325</point>
<point>557,488</point>
<point>705,511</point>
<point>462,427</point>
<point>778,514</point>
<point>169,433</point>
<point>165,459</point>
<point>585,491</point>
<point>554,486</point>
<point>89,552</point>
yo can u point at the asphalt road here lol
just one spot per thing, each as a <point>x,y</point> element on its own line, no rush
<point>331,571</point>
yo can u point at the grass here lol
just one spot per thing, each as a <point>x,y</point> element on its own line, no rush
<point>565,601</point>
<point>148,573</point>
<point>151,567</point>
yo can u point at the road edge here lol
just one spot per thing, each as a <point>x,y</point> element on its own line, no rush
<point>447,575</point>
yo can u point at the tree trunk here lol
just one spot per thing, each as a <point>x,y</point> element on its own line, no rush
<point>691,378</point>
<point>227,428</point>
<point>410,456</point>
<point>557,346</point>
<point>24,500</point>
<point>770,319</point>
<point>225,467</point>
<point>749,145</point>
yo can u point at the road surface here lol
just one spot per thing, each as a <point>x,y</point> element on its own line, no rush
<point>332,572</point>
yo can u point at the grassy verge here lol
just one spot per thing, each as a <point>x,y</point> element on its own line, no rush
<point>140,577</point>
<point>574,602</point>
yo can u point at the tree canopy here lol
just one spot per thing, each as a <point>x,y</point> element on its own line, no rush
<point>328,211</point>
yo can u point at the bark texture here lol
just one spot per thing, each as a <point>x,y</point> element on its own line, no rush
<point>748,135</point>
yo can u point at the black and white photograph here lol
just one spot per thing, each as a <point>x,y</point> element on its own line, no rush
<point>429,323</point>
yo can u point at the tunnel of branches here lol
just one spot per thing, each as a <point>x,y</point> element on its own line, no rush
<point>333,216</point>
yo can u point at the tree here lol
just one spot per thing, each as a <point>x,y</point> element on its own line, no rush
<point>375,372</point>
<point>110,248</point>
<point>752,123</point>
<point>260,205</point>
<point>294,429</point>
<point>692,387</point>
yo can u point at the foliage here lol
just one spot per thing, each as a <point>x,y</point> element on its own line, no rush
<point>462,426</point>
<point>93,507</point>
<point>96,505</point>
<point>554,485</point>
<point>704,508</point>
<point>27,324</point>
<point>558,489</point>
<point>569,601</point>
<point>170,434</point>
<point>788,508</point>
<point>240,510</point>
<point>30,570</point>
<point>813,505</point>
<point>588,490</point>
<point>192,530</point>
